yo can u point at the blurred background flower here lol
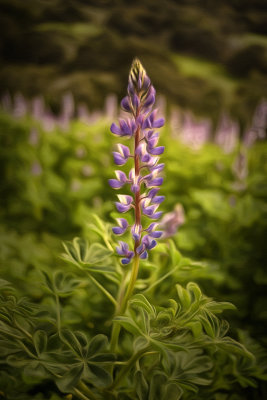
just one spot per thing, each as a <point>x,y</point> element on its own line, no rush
<point>214,58</point>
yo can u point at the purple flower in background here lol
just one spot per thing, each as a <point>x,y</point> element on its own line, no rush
<point>143,178</point>
<point>36,169</point>
<point>171,221</point>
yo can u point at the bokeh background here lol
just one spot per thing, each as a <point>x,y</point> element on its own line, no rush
<point>64,67</point>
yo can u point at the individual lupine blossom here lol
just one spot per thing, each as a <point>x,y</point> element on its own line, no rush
<point>143,179</point>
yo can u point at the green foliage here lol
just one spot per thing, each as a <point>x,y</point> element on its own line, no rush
<point>57,314</point>
<point>177,349</point>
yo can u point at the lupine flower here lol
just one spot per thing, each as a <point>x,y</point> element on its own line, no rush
<point>171,221</point>
<point>143,178</point>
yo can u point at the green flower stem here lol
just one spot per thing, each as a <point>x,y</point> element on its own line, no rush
<point>123,300</point>
<point>158,281</point>
<point>103,290</point>
<point>130,287</point>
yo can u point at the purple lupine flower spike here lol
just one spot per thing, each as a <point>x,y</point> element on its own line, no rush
<point>143,178</point>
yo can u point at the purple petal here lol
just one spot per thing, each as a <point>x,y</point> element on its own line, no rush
<point>144,255</point>
<point>115,184</point>
<point>158,167</point>
<point>135,101</point>
<point>149,134</point>
<point>128,259</point>
<point>141,248</point>
<point>140,149</point>
<point>152,193</point>
<point>139,83</point>
<point>130,88</point>
<point>147,83</point>
<point>158,123</point>
<point>158,199</point>
<point>145,157</point>
<point>152,245</point>
<point>156,234</point>
<point>122,208</point>
<point>149,210</point>
<point>151,227</point>
<point>154,182</point>
<point>118,159</point>
<point>125,104</point>
<point>125,127</point>
<point>125,199</point>
<point>152,142</point>
<point>156,215</point>
<point>122,249</point>
<point>135,188</point>
<point>149,101</point>
<point>121,176</point>
<point>123,223</point>
<point>149,242</point>
<point>124,150</point>
<point>117,230</point>
<point>115,129</point>
<point>125,261</point>
<point>156,151</point>
<point>136,232</point>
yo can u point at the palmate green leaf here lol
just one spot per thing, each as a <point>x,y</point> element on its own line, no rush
<point>35,372</point>
<point>77,341</point>
<point>79,253</point>
<point>97,344</point>
<point>188,368</point>
<point>163,388</point>
<point>64,283</point>
<point>97,376</point>
<point>69,380</point>
<point>60,284</point>
<point>97,254</point>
